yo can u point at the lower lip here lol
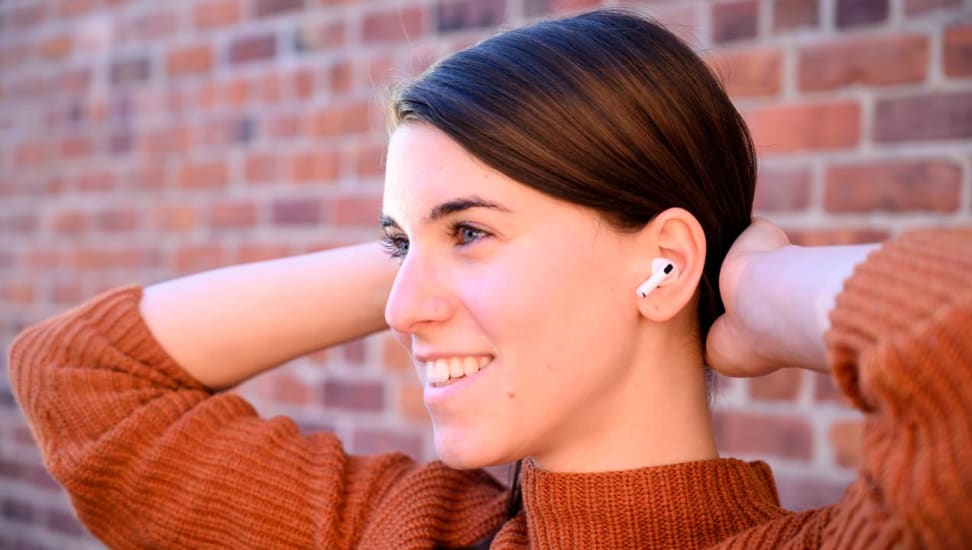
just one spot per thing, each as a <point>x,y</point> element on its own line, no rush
<point>438,394</point>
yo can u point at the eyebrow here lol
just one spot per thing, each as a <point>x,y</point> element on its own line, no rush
<point>447,208</point>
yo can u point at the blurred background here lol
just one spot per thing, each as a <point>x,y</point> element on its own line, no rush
<point>141,140</point>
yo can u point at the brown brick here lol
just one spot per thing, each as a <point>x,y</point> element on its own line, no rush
<point>453,15</point>
<point>203,174</point>
<point>763,434</point>
<point>189,59</point>
<point>354,395</point>
<point>266,8</point>
<point>296,212</point>
<point>734,20</point>
<point>838,236</point>
<point>315,166</point>
<point>874,61</point>
<point>253,48</point>
<point>924,117</point>
<point>216,13</point>
<point>958,51</point>
<point>860,12</point>
<point>782,189</point>
<point>126,71</point>
<point>372,441</point>
<point>750,72</point>
<point>894,186</point>
<point>814,126</point>
<point>846,442</point>
<point>795,14</point>
<point>782,385</point>
<point>233,214</point>
<point>356,210</point>
<point>393,25</point>
<point>915,7</point>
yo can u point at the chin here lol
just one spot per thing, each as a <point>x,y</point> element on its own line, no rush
<point>457,450</point>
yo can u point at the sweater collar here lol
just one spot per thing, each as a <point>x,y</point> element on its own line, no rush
<point>672,506</point>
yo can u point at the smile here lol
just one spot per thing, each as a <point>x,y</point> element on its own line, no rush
<point>441,372</point>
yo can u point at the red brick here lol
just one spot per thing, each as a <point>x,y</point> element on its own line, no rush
<point>73,8</point>
<point>394,25</point>
<point>194,258</point>
<point>296,212</point>
<point>782,385</point>
<point>756,434</point>
<point>166,140</point>
<point>233,214</point>
<point>845,440</point>
<point>67,293</point>
<point>256,252</point>
<point>29,155</point>
<point>373,441</point>
<point>216,13</point>
<point>285,125</point>
<point>924,117</point>
<point>117,220</point>
<point>342,120</point>
<point>27,15</point>
<point>873,61</point>
<point>18,293</point>
<point>550,7</point>
<point>56,47</point>
<point>356,210</point>
<point>341,77</point>
<point>860,12</point>
<point>469,14</point>
<point>894,186</point>
<point>958,51</point>
<point>303,84</point>
<point>127,71</point>
<point>321,36</point>
<point>847,235</point>
<point>782,189</point>
<point>100,259</point>
<point>260,167</point>
<point>749,72</point>
<point>189,59</point>
<point>814,126</point>
<point>43,259</point>
<point>265,8</point>
<point>354,395</point>
<point>76,147</point>
<point>22,222</point>
<point>96,181</point>
<point>71,222</point>
<point>253,48</point>
<point>734,20</point>
<point>369,160</point>
<point>149,27</point>
<point>393,355</point>
<point>799,494</point>
<point>65,522</point>
<point>315,166</point>
<point>286,388</point>
<point>795,14</point>
<point>915,7</point>
<point>203,174</point>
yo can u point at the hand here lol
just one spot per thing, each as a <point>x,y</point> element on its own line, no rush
<point>736,345</point>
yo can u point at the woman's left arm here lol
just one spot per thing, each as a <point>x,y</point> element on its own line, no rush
<point>898,346</point>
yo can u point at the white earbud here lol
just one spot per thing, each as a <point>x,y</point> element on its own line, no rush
<point>661,269</point>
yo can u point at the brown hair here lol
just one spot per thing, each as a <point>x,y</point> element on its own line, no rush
<point>607,110</point>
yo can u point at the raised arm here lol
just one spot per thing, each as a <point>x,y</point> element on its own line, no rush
<point>152,457</point>
<point>897,344</point>
<point>226,325</point>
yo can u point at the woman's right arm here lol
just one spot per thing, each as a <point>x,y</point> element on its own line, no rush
<point>226,325</point>
<point>153,457</point>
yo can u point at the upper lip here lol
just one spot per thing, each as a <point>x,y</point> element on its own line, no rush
<point>432,356</point>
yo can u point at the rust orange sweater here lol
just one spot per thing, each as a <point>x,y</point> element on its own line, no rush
<point>152,459</point>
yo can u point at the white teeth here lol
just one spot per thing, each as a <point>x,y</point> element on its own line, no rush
<point>470,366</point>
<point>442,370</point>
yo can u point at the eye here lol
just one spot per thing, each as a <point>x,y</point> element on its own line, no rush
<point>395,245</point>
<point>466,234</point>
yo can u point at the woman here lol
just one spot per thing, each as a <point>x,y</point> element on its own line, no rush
<point>533,183</point>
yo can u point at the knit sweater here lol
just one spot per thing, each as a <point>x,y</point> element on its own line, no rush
<point>153,459</point>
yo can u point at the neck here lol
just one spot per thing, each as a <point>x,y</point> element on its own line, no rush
<point>656,414</point>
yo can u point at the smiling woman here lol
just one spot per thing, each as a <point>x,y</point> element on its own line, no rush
<point>566,209</point>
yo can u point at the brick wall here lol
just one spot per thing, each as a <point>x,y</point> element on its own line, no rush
<point>143,140</point>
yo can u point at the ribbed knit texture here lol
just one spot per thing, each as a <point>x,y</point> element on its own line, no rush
<point>152,459</point>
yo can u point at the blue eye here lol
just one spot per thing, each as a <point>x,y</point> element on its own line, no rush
<point>395,246</point>
<point>465,234</point>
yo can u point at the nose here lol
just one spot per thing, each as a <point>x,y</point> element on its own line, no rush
<point>418,297</point>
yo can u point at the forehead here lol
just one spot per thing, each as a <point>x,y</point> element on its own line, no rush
<point>425,167</point>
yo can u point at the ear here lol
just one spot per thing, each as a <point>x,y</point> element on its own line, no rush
<point>676,235</point>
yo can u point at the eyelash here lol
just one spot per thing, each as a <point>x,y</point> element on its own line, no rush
<point>397,246</point>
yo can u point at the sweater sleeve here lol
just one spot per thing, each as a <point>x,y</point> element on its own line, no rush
<point>153,459</point>
<point>900,349</point>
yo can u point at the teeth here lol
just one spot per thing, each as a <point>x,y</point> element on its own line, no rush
<point>442,370</point>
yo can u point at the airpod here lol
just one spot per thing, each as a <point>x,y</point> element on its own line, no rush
<point>661,269</point>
